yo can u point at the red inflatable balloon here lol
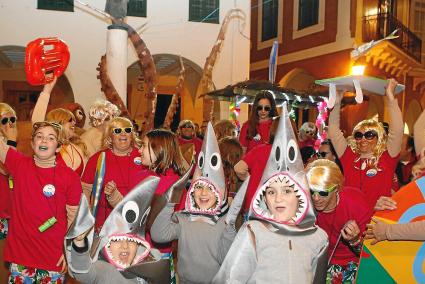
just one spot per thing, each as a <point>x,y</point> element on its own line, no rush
<point>45,58</point>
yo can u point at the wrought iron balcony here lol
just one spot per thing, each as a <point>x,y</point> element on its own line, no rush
<point>378,26</point>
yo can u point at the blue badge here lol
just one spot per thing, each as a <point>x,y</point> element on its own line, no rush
<point>371,172</point>
<point>138,161</point>
<point>49,190</point>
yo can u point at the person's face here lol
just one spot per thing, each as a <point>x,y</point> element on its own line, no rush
<point>281,201</point>
<point>45,143</point>
<point>123,251</point>
<point>324,203</point>
<point>69,128</point>
<point>325,153</point>
<point>366,140</point>
<point>7,120</point>
<point>146,153</point>
<point>121,139</point>
<point>263,109</point>
<point>187,130</point>
<point>204,197</point>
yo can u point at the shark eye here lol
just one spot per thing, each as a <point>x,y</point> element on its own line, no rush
<point>292,151</point>
<point>130,212</point>
<point>277,154</point>
<point>215,161</point>
<point>201,160</point>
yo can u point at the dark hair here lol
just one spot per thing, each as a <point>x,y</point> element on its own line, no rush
<point>231,153</point>
<point>253,117</point>
<point>331,147</point>
<point>306,153</point>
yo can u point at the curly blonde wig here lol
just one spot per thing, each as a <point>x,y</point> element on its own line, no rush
<point>366,125</point>
<point>6,109</point>
<point>119,122</point>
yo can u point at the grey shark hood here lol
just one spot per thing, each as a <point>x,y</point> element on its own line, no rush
<point>286,167</point>
<point>126,222</point>
<point>208,173</point>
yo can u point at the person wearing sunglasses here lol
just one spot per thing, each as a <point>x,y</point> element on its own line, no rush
<point>256,130</point>
<point>122,167</point>
<point>186,135</point>
<point>343,213</point>
<point>369,156</point>
<point>9,131</point>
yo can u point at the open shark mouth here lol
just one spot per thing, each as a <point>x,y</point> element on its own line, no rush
<point>143,250</point>
<point>259,206</point>
<point>191,205</point>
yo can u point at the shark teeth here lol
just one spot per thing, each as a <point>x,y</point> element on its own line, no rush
<point>259,204</point>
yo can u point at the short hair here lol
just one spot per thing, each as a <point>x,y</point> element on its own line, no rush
<point>323,174</point>
<point>224,128</point>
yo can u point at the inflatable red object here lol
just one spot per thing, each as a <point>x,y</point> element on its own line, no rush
<point>45,58</point>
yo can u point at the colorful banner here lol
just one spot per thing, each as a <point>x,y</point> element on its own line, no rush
<point>397,261</point>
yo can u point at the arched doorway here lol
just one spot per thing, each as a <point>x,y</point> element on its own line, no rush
<point>168,69</point>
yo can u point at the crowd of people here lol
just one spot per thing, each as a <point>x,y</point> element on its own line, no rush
<point>110,205</point>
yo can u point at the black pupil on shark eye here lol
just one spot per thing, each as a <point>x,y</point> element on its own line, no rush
<point>201,161</point>
<point>291,153</point>
<point>214,160</point>
<point>277,154</point>
<point>130,216</point>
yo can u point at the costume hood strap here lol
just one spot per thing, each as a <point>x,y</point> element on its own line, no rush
<point>210,165</point>
<point>285,157</point>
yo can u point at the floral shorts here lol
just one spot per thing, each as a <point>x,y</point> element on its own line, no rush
<point>340,274</point>
<point>26,275</point>
<point>3,228</point>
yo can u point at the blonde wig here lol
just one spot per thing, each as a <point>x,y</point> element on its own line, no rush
<point>324,175</point>
<point>367,125</point>
<point>165,146</point>
<point>6,109</point>
<point>62,116</point>
<point>101,111</point>
<point>224,128</point>
<point>120,122</point>
<point>56,127</point>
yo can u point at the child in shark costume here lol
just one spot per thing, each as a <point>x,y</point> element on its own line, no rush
<point>206,228</point>
<point>280,242</point>
<point>120,254</point>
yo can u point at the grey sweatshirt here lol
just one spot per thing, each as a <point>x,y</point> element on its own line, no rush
<point>262,255</point>
<point>202,245</point>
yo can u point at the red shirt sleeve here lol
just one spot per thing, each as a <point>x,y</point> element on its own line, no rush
<point>243,134</point>
<point>90,170</point>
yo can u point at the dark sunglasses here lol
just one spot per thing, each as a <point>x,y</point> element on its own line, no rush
<point>322,154</point>
<point>321,193</point>
<point>6,120</point>
<point>265,108</point>
<point>126,130</point>
<point>186,126</point>
<point>368,135</point>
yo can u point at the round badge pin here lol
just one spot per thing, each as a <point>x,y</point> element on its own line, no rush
<point>371,172</point>
<point>49,190</point>
<point>137,161</point>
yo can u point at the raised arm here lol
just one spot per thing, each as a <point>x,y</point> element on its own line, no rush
<point>419,135</point>
<point>334,131</point>
<point>164,229</point>
<point>395,132</point>
<point>40,108</point>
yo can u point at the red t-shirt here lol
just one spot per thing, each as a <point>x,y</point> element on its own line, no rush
<point>375,186</point>
<point>256,160</point>
<point>123,170</point>
<point>352,206</point>
<point>25,244</point>
<point>5,197</point>
<point>263,130</point>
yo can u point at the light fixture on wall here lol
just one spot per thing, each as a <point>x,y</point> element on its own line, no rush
<point>357,69</point>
